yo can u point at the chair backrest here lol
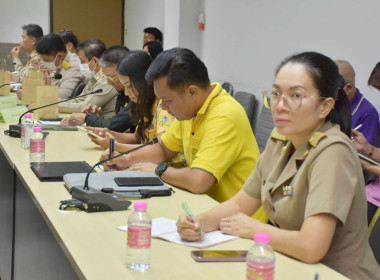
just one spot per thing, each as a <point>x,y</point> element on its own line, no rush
<point>247,100</point>
<point>374,235</point>
<point>228,87</point>
<point>264,128</point>
<point>78,89</point>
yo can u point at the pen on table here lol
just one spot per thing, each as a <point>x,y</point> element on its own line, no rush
<point>112,149</point>
<point>316,276</point>
<point>186,208</point>
<point>359,126</point>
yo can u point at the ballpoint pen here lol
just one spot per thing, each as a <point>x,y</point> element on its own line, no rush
<point>186,208</point>
<point>359,126</point>
<point>112,149</point>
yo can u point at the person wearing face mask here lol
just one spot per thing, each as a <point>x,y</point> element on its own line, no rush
<point>53,51</point>
<point>92,115</point>
<point>30,34</point>
<point>89,53</point>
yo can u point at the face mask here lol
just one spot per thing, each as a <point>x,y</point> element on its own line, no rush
<point>85,70</point>
<point>51,65</point>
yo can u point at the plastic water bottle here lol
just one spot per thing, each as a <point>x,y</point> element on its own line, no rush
<point>37,146</point>
<point>261,259</point>
<point>26,131</point>
<point>139,238</point>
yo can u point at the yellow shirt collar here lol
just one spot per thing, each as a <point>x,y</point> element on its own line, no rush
<point>215,92</point>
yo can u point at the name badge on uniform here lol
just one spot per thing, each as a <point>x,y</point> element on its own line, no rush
<point>287,190</point>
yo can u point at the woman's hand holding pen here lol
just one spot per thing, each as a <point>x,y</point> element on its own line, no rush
<point>360,142</point>
<point>188,229</point>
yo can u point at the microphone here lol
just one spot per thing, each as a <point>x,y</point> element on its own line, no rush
<point>15,130</point>
<point>56,76</point>
<point>97,201</point>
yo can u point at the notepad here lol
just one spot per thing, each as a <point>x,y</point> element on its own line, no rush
<point>166,229</point>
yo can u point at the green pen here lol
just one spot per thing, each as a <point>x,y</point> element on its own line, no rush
<point>186,208</point>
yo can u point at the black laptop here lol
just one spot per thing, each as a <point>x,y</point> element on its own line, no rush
<point>54,171</point>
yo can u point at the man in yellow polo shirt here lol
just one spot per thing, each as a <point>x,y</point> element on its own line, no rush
<point>211,128</point>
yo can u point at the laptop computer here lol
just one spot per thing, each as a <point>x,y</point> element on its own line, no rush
<point>54,171</point>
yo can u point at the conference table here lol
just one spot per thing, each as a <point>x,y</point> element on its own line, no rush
<point>39,241</point>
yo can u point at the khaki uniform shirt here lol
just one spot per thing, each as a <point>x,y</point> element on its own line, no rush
<point>322,176</point>
<point>106,99</point>
<point>34,62</point>
<point>71,76</point>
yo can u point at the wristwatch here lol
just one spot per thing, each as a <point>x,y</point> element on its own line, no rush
<point>160,169</point>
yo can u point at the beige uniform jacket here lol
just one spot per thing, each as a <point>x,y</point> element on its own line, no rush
<point>106,99</point>
<point>322,176</point>
<point>34,62</point>
<point>71,76</point>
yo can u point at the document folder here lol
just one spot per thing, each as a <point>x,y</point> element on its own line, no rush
<point>54,171</point>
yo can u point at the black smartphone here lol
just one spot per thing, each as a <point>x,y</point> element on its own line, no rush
<point>138,181</point>
<point>367,158</point>
<point>219,255</point>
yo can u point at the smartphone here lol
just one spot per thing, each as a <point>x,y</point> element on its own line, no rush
<point>81,128</point>
<point>138,181</point>
<point>367,158</point>
<point>219,255</point>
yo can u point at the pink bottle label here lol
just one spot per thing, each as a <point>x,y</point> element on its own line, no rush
<point>138,236</point>
<point>22,131</point>
<point>37,145</point>
<point>260,270</point>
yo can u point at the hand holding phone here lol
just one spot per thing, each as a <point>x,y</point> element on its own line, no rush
<point>219,255</point>
<point>81,128</point>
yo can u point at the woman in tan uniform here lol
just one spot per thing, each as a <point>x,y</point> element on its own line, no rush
<point>308,179</point>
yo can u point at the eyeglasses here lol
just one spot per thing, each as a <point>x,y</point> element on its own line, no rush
<point>112,79</point>
<point>291,102</point>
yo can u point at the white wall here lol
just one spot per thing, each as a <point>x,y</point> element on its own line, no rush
<point>16,13</point>
<point>245,40</point>
<point>140,14</point>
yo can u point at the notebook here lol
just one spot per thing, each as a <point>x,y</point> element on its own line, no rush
<point>54,171</point>
<point>166,229</point>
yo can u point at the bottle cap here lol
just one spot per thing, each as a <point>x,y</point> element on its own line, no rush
<point>262,238</point>
<point>140,205</point>
<point>37,128</point>
<point>28,115</point>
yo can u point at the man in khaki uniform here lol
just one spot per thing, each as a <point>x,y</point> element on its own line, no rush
<point>30,34</point>
<point>53,51</point>
<point>89,53</point>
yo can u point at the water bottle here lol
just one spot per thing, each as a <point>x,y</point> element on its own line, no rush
<point>37,146</point>
<point>260,259</point>
<point>26,131</point>
<point>139,238</point>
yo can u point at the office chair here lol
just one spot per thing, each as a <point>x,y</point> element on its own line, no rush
<point>78,89</point>
<point>228,87</point>
<point>264,128</point>
<point>247,100</point>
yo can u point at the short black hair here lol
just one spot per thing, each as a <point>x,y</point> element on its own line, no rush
<point>50,44</point>
<point>113,55</point>
<point>33,30</point>
<point>155,48</point>
<point>68,37</point>
<point>182,68</point>
<point>92,48</point>
<point>155,32</point>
